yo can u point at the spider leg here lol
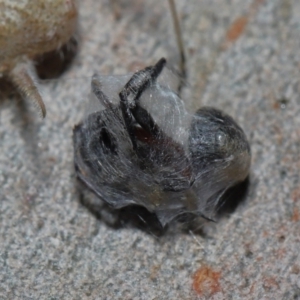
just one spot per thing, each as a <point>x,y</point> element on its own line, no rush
<point>104,100</point>
<point>163,157</point>
<point>140,81</point>
<point>129,98</point>
<point>24,77</point>
<point>96,89</point>
<point>143,118</point>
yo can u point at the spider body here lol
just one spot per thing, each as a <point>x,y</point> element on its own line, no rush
<point>126,155</point>
<point>29,29</point>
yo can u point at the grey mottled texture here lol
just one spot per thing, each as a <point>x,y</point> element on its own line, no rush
<point>52,247</point>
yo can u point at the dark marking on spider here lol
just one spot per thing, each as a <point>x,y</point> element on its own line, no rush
<point>125,156</point>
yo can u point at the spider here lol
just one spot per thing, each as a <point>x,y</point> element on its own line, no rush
<point>126,155</point>
<point>31,30</point>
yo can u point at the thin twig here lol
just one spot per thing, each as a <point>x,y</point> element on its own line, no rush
<point>182,65</point>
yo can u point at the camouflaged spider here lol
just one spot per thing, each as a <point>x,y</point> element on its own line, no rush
<point>127,156</point>
<point>30,30</point>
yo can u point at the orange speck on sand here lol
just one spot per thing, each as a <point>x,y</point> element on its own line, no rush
<point>206,281</point>
<point>296,215</point>
<point>270,283</point>
<point>236,29</point>
<point>296,194</point>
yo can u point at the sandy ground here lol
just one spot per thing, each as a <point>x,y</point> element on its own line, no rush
<point>243,57</point>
